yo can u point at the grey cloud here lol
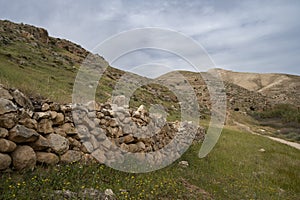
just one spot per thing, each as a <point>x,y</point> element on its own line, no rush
<point>250,35</point>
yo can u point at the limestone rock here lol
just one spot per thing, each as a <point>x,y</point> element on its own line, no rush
<point>69,129</point>
<point>99,156</point>
<point>45,126</point>
<point>183,163</point>
<point>59,119</point>
<point>41,115</point>
<point>3,132</point>
<point>8,120</point>
<point>109,192</point>
<point>29,123</point>
<point>45,107</point>
<point>7,146</point>
<point>5,161</point>
<point>47,158</point>
<point>6,106</point>
<point>126,139</point>
<point>40,144</point>
<point>5,94</point>
<point>71,156</point>
<point>22,100</point>
<point>21,134</point>
<point>58,143</point>
<point>23,158</point>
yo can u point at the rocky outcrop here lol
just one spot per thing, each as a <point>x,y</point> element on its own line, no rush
<point>48,133</point>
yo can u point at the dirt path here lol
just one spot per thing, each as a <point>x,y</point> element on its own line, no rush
<point>248,129</point>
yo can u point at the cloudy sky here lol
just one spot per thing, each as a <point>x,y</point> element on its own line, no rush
<point>254,36</point>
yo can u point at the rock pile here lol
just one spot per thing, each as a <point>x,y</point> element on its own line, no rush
<point>47,132</point>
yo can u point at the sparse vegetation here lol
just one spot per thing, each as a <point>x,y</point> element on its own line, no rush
<point>285,112</point>
<point>284,118</point>
<point>235,169</point>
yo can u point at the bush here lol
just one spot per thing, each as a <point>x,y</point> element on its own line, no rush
<point>286,112</point>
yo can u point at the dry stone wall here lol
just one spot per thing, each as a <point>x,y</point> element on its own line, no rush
<point>45,132</point>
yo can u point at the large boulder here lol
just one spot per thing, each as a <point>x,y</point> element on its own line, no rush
<point>47,158</point>
<point>21,134</point>
<point>7,146</point>
<point>58,143</point>
<point>24,158</point>
<point>7,106</point>
<point>5,161</point>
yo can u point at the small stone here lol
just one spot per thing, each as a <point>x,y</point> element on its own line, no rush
<point>58,143</point>
<point>59,119</point>
<point>54,107</point>
<point>45,126</point>
<point>88,123</point>
<point>29,123</point>
<point>21,99</point>
<point>99,156</point>
<point>23,158</point>
<point>87,147</point>
<point>47,158</point>
<point>71,156</point>
<point>183,164</point>
<point>45,107</point>
<point>69,129</point>
<point>74,143</point>
<point>8,120</point>
<point>7,106</point>
<point>21,134</point>
<point>5,94</point>
<point>109,192</point>
<point>42,143</point>
<point>41,115</point>
<point>133,148</point>
<point>5,161</point>
<point>126,139</point>
<point>7,146</point>
<point>141,145</point>
<point>262,150</point>
<point>3,132</point>
<point>52,114</point>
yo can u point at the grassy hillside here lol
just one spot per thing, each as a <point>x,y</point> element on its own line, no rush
<point>235,169</point>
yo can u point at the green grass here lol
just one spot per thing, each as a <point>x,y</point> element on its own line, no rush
<point>235,169</point>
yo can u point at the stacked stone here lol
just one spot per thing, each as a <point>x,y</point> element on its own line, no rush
<point>49,133</point>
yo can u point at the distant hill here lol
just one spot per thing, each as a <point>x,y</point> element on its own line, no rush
<point>45,67</point>
<point>282,88</point>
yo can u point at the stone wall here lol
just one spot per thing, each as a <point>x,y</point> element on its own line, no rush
<point>46,132</point>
